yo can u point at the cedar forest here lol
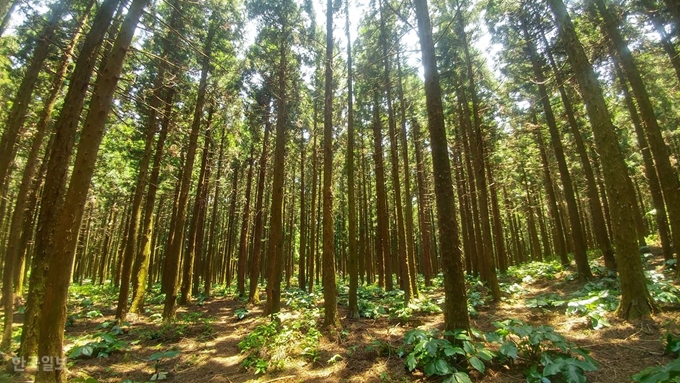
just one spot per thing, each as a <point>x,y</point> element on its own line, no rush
<point>340,191</point>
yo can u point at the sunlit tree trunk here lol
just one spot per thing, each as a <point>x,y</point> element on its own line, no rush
<point>59,259</point>
<point>176,238</point>
<point>635,299</point>
<point>668,177</point>
<point>58,161</point>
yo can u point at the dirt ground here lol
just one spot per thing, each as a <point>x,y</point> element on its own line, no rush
<point>209,351</point>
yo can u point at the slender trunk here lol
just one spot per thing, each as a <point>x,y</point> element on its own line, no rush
<point>423,207</point>
<point>596,208</point>
<point>253,294</point>
<point>382,238</point>
<point>353,308</point>
<point>212,246</point>
<point>275,249</point>
<point>577,234</point>
<point>329,285</point>
<point>143,258</point>
<point>650,170</point>
<point>455,299</point>
<point>21,102</point>
<point>176,237</point>
<point>245,225</point>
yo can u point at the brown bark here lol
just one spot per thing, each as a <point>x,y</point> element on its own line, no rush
<point>245,225</point>
<point>329,286</point>
<point>635,299</point>
<point>455,302</point>
<point>253,294</point>
<point>423,207</point>
<point>14,252</point>
<point>58,161</point>
<point>577,233</point>
<point>275,249</point>
<point>650,170</point>
<point>382,236</point>
<point>176,238</point>
<point>353,308</point>
<point>668,177</point>
<point>60,258</point>
<point>21,101</point>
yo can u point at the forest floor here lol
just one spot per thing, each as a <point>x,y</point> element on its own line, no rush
<point>203,344</point>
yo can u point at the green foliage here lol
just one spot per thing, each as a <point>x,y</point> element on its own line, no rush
<point>529,272</point>
<point>661,289</point>
<point>437,355</point>
<point>241,313</point>
<point>269,345</point>
<point>670,373</point>
<point>547,352</point>
<point>102,348</point>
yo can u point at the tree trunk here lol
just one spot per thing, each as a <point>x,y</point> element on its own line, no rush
<point>57,169</point>
<point>18,112</point>
<point>245,225</point>
<point>176,238</point>
<point>60,258</point>
<point>353,308</point>
<point>635,299</point>
<point>580,248</point>
<point>383,249</point>
<point>329,287</point>
<point>253,294</point>
<point>455,299</point>
<point>670,183</point>
<point>423,207</point>
<point>275,249</point>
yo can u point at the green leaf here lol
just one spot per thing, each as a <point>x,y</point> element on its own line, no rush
<point>574,374</point>
<point>443,367</point>
<point>553,368</point>
<point>430,369</point>
<point>509,349</point>
<point>477,364</point>
<point>461,377</point>
<point>411,362</point>
<point>652,375</point>
<point>432,347</point>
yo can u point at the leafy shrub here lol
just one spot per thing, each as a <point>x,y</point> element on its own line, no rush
<point>101,348</point>
<point>438,356</point>
<point>547,352</point>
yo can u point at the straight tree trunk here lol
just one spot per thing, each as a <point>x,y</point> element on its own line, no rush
<point>668,178</point>
<point>253,294</point>
<point>245,225</point>
<point>353,308</point>
<point>580,248</point>
<point>275,249</point>
<point>635,299</point>
<point>455,299</point>
<point>596,208</point>
<point>329,287</point>
<point>176,238</point>
<point>423,207</point>
<point>402,256</point>
<point>650,170</point>
<point>383,249</point>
